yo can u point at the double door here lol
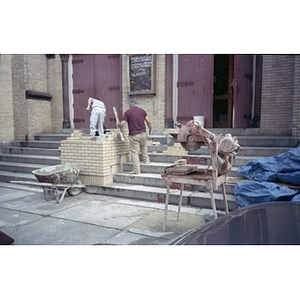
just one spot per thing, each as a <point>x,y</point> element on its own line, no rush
<point>218,87</point>
<point>97,76</point>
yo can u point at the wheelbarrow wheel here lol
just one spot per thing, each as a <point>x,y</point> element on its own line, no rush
<point>74,191</point>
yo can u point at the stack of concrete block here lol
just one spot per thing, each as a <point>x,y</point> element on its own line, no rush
<point>98,157</point>
<point>176,149</point>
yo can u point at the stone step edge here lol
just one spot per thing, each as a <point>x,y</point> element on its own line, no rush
<point>156,181</point>
<point>9,174</point>
<point>128,167</point>
<point>21,187</point>
<point>51,157</point>
<point>17,166</point>
<point>31,148</point>
<point>20,164</point>
<point>231,179</point>
<point>139,192</point>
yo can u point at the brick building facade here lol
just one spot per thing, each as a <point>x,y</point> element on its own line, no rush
<point>32,95</point>
<point>280,99</point>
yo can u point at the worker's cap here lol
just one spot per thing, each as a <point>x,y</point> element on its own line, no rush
<point>133,101</point>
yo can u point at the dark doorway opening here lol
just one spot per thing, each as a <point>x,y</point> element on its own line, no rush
<point>222,93</point>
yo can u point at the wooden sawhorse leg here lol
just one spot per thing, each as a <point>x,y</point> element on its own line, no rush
<point>180,201</point>
<point>212,199</point>
<point>225,198</point>
<point>166,207</point>
<point>167,203</point>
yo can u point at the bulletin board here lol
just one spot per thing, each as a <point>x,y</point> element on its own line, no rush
<point>141,73</point>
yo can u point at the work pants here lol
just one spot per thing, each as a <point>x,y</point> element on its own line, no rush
<point>97,116</point>
<point>138,143</point>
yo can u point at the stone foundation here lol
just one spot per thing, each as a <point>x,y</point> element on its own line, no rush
<point>98,157</point>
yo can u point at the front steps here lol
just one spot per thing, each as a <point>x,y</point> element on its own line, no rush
<point>19,159</point>
<point>149,185</point>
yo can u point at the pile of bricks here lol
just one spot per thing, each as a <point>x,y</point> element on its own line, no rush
<point>98,157</point>
<point>176,149</point>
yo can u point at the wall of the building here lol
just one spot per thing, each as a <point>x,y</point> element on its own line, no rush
<point>6,96</point>
<point>153,104</point>
<point>38,111</point>
<point>296,99</point>
<point>23,117</point>
<point>278,94</point>
<point>55,88</point>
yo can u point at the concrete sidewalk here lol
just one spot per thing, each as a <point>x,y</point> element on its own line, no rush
<point>89,219</point>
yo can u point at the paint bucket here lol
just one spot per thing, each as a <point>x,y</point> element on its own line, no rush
<point>199,120</point>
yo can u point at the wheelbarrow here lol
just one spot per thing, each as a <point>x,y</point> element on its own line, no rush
<point>57,177</point>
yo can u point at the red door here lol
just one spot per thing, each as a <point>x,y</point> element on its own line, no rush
<point>195,87</point>
<point>98,76</point>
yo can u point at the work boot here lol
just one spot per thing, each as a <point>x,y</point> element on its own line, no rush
<point>134,172</point>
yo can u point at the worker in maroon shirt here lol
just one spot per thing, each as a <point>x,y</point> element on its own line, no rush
<point>136,117</point>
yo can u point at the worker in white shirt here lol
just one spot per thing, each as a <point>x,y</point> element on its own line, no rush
<point>98,113</point>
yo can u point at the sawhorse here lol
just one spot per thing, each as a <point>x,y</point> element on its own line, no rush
<point>200,178</point>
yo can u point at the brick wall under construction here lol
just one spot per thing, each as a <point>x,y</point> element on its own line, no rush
<point>98,159</point>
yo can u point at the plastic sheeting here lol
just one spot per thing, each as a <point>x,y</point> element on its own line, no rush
<point>284,167</point>
<point>254,192</point>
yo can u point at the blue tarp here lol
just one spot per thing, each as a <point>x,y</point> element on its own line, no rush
<point>254,192</point>
<point>284,167</point>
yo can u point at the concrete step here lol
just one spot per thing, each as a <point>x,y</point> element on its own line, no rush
<point>157,148</point>
<point>262,151</point>
<point>38,144</point>
<point>19,167</point>
<point>30,151</point>
<point>171,159</point>
<point>155,194</point>
<point>251,138</point>
<point>146,179</point>
<point>51,137</point>
<point>244,156</point>
<point>268,141</point>
<point>21,187</point>
<point>163,158</point>
<point>162,139</point>
<point>159,167</point>
<point>153,167</point>
<point>249,151</point>
<point>237,162</point>
<point>155,180</point>
<point>19,159</point>
<point>258,151</point>
<point>31,159</point>
<point>6,176</point>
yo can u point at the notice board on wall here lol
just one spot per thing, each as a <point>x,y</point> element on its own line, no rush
<point>141,73</point>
